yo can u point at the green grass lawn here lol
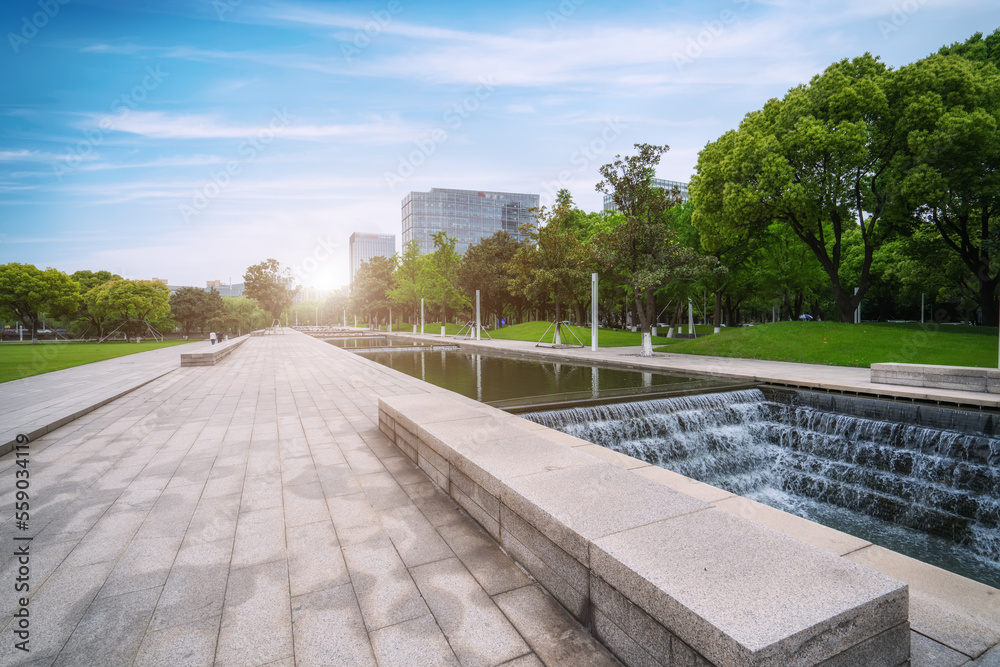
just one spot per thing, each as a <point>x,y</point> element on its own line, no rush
<point>429,328</point>
<point>532,331</point>
<point>860,345</point>
<point>20,360</point>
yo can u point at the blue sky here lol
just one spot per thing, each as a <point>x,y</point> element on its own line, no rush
<point>188,139</point>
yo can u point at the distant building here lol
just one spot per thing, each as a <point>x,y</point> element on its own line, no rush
<point>365,246</point>
<point>609,203</point>
<point>230,290</point>
<point>209,284</point>
<point>160,280</point>
<point>468,215</point>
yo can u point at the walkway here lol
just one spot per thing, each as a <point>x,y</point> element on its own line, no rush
<point>38,404</point>
<point>251,513</point>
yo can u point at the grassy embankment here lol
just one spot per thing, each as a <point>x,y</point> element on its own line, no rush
<point>830,343</point>
<point>861,345</point>
<point>19,360</point>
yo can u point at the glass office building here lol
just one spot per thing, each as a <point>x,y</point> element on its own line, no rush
<point>365,246</point>
<point>468,215</point>
<point>609,204</point>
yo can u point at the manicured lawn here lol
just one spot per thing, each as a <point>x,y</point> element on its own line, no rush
<point>19,360</point>
<point>860,345</point>
<point>429,328</point>
<point>533,331</point>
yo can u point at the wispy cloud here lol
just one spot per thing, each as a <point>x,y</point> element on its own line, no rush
<point>165,125</point>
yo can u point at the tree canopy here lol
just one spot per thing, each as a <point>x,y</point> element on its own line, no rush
<point>643,253</point>
<point>27,294</point>
<point>271,286</point>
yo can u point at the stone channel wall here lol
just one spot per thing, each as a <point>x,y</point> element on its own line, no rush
<point>660,577</point>
<point>214,354</point>
<point>961,378</point>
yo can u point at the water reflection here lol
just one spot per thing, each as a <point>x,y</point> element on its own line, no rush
<point>493,378</point>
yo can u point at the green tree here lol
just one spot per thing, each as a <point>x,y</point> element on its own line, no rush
<point>978,48</point>
<point>817,161</point>
<point>28,294</point>
<point>643,253</point>
<point>240,315</point>
<point>486,267</point>
<point>371,286</point>
<point>442,275</point>
<point>89,317</point>
<point>333,308</point>
<point>137,303</point>
<point>553,268</point>
<point>409,280</point>
<point>193,307</point>
<point>271,286</point>
<point>949,170</point>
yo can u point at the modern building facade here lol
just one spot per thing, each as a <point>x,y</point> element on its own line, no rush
<point>365,246</point>
<point>468,215</point>
<point>609,203</point>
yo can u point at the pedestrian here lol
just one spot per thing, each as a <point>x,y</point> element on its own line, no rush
<point>211,337</point>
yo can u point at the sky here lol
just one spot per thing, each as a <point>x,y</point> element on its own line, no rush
<point>190,139</point>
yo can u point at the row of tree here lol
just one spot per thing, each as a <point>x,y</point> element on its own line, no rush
<point>98,304</point>
<point>868,186</point>
<point>887,177</point>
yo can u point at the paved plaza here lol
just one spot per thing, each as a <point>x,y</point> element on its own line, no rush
<point>251,513</point>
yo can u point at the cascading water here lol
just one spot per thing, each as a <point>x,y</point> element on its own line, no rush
<point>874,477</point>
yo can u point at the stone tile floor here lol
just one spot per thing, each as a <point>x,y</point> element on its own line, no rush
<point>251,513</point>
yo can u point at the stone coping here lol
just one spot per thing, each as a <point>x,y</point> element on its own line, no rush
<point>213,354</point>
<point>962,378</point>
<point>659,574</point>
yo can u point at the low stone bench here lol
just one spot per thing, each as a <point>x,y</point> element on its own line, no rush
<point>962,378</point>
<point>659,577</point>
<point>212,355</point>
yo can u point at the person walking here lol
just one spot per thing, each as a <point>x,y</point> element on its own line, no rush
<point>211,337</point>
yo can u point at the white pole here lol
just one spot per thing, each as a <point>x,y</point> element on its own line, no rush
<point>421,315</point>
<point>593,312</point>
<point>345,317</point>
<point>477,334</point>
<point>390,319</point>
<point>921,307</point>
<point>317,315</point>
<point>690,316</point>
<point>857,312</point>
<point>355,320</point>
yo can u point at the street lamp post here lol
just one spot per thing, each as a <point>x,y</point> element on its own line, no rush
<point>593,312</point>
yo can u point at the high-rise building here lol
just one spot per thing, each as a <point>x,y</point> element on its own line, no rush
<point>609,203</point>
<point>468,215</point>
<point>365,246</point>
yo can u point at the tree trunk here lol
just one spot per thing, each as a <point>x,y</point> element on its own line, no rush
<point>988,301</point>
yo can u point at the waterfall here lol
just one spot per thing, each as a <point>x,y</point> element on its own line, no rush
<point>788,452</point>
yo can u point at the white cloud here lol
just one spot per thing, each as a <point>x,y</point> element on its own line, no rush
<point>164,125</point>
<point>520,108</point>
